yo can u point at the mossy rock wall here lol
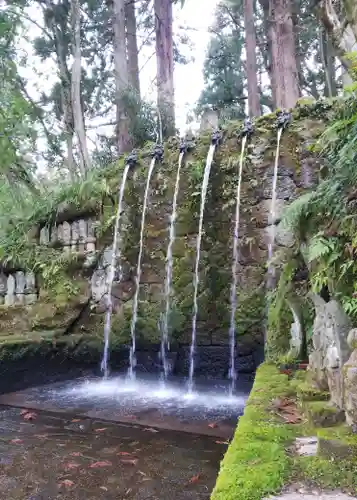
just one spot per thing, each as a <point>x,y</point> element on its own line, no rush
<point>298,170</point>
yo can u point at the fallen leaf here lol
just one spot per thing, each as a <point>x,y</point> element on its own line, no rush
<point>222,442</point>
<point>71,465</point>
<point>124,453</point>
<point>97,465</point>
<point>66,482</point>
<point>76,454</point>
<point>103,488</point>
<point>195,479</point>
<point>16,441</point>
<point>30,416</point>
<point>213,425</point>
<point>101,430</point>
<point>130,461</point>
<point>76,420</point>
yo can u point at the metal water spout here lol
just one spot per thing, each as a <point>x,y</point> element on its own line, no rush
<point>216,137</point>
<point>247,128</point>
<point>132,158</point>
<point>158,152</point>
<point>186,145</point>
<point>283,118</point>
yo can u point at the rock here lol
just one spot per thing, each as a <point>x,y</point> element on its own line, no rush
<point>323,413</point>
<point>261,212</point>
<point>306,446</point>
<point>212,362</point>
<point>337,449</point>
<point>350,380</point>
<point>330,329</point>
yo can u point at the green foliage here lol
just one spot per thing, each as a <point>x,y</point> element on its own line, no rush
<point>324,220</point>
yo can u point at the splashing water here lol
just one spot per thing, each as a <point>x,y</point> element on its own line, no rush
<point>233,298</point>
<point>209,161</point>
<point>271,269</point>
<point>115,257</point>
<point>134,318</point>
<point>168,283</point>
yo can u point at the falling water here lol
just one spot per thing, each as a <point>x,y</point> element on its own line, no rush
<point>271,269</point>
<point>169,264</point>
<point>115,255</point>
<point>233,299</point>
<point>209,160</point>
<point>138,275</point>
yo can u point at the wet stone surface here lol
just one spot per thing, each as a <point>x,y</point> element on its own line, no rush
<point>51,457</point>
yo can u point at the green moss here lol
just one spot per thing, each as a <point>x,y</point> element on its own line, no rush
<point>256,463</point>
<point>322,413</point>
<point>327,473</point>
<point>306,392</point>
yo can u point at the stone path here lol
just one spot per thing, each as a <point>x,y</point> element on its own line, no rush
<point>302,493</point>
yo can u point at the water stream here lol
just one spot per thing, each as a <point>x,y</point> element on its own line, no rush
<point>168,283</point>
<point>209,161</point>
<point>233,297</point>
<point>138,275</point>
<point>115,257</point>
<point>272,215</point>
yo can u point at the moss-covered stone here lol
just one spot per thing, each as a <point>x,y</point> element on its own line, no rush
<point>216,255</point>
<point>260,459</point>
<point>256,463</point>
<point>307,392</point>
<point>323,413</point>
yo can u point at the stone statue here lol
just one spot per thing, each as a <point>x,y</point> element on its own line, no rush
<point>331,351</point>
<point>297,332</point>
<point>350,380</point>
<point>67,230</point>
<point>82,229</point>
<point>60,234</point>
<point>75,236</point>
<point>91,239</point>
<point>44,236</point>
<point>10,294</point>
<point>3,287</point>
<point>30,289</point>
<point>54,237</point>
<point>20,282</point>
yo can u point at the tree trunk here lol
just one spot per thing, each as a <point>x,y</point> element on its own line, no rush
<point>283,54</point>
<point>328,63</point>
<point>65,79</point>
<point>343,35</point>
<point>84,159</point>
<point>165,65</point>
<point>132,46</point>
<point>267,54</point>
<point>121,76</point>
<point>250,47</point>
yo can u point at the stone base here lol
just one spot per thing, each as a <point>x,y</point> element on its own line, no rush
<point>323,414</point>
<point>331,448</point>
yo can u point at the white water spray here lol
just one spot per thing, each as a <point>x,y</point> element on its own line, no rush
<point>233,298</point>
<point>169,265</point>
<point>209,161</point>
<point>114,258</point>
<point>138,275</point>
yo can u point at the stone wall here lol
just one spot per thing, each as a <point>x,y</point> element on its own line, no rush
<point>83,314</point>
<point>17,288</point>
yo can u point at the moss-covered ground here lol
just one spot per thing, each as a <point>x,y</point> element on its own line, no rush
<point>260,461</point>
